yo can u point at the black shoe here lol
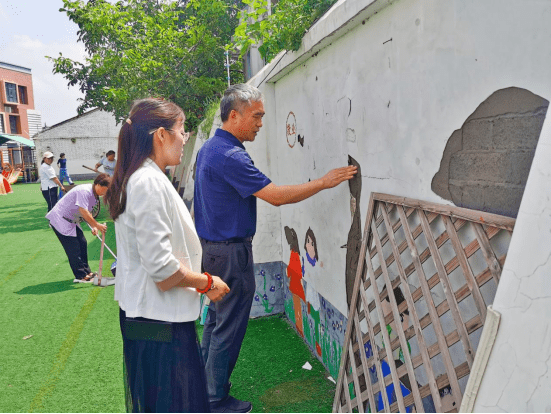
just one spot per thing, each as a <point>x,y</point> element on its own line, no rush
<point>231,405</point>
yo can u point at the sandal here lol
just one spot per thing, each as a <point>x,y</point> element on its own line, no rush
<point>90,277</point>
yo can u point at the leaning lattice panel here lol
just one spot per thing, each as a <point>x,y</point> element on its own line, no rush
<point>426,274</point>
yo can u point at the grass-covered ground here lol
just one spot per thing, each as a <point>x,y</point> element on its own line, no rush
<point>61,349</point>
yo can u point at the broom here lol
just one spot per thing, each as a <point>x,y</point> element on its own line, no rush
<point>114,264</point>
<point>98,280</point>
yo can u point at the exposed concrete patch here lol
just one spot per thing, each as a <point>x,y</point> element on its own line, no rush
<point>486,163</point>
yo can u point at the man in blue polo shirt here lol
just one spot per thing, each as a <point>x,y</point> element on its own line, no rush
<point>227,185</point>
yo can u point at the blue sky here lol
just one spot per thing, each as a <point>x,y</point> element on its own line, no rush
<point>30,30</point>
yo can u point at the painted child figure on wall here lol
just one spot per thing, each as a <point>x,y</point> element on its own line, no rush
<point>397,354</point>
<point>294,273</point>
<point>392,328</point>
<point>311,276</point>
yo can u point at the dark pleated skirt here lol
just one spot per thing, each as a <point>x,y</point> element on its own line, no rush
<point>163,367</point>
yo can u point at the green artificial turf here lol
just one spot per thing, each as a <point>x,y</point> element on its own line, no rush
<point>73,360</point>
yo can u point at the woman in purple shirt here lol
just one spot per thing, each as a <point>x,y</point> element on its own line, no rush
<point>64,220</point>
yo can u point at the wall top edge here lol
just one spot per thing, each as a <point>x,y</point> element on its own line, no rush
<point>340,19</point>
<point>17,68</point>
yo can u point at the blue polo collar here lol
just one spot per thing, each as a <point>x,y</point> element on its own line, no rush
<point>228,136</point>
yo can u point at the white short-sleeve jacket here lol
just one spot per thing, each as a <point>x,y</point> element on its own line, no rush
<point>46,173</point>
<point>154,234</point>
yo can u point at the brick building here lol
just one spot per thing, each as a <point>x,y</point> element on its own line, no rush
<point>19,121</point>
<point>17,113</point>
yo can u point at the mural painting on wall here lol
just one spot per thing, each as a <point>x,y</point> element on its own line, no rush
<point>269,295</point>
<point>262,293</point>
<point>354,240</point>
<point>311,278</point>
<point>317,320</point>
<point>397,354</point>
<point>294,273</point>
<point>448,403</point>
<point>291,129</point>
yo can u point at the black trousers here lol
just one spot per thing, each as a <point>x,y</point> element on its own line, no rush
<point>76,249</point>
<point>226,321</point>
<point>163,367</point>
<point>51,197</point>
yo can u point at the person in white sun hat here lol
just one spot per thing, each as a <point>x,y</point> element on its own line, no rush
<point>48,180</point>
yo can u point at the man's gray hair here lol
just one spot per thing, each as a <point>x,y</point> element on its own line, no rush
<point>236,97</point>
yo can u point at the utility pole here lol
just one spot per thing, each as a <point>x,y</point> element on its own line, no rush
<point>228,66</point>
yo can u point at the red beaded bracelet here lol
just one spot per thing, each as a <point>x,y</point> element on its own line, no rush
<point>209,284</point>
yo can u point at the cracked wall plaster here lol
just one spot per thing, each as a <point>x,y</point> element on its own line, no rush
<point>486,163</point>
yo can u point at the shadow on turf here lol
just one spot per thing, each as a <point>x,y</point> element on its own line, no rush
<point>18,206</point>
<point>51,287</point>
<point>31,219</point>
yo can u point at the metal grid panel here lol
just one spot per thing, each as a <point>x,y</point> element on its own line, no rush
<point>426,274</point>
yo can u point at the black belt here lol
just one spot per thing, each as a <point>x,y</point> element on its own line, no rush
<point>233,240</point>
<point>69,220</point>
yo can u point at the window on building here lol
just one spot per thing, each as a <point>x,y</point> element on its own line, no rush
<point>14,125</point>
<point>11,92</point>
<point>2,127</point>
<point>23,95</point>
<point>9,109</point>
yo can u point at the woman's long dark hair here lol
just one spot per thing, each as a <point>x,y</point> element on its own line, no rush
<point>136,144</point>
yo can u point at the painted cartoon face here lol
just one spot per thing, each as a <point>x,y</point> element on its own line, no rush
<point>310,248</point>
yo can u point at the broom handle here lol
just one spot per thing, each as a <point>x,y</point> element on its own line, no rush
<point>110,251</point>
<point>90,169</point>
<point>101,257</point>
<point>107,247</point>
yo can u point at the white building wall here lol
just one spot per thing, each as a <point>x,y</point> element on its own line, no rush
<point>35,121</point>
<point>518,376</point>
<point>388,82</point>
<point>389,92</point>
<point>84,140</point>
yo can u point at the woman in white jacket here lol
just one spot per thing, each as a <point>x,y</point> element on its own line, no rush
<point>158,284</point>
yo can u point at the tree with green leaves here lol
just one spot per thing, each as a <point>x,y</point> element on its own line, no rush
<point>282,29</point>
<point>139,48</point>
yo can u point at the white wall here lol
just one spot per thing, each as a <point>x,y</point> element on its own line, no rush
<point>518,377</point>
<point>95,133</point>
<point>388,82</point>
<point>391,104</point>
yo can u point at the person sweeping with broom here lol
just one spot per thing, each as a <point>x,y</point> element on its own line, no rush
<point>64,220</point>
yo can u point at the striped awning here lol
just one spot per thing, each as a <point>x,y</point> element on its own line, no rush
<point>7,137</point>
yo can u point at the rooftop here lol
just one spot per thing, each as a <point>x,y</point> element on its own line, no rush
<point>17,68</point>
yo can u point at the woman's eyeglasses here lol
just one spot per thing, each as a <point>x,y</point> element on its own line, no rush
<point>186,135</point>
